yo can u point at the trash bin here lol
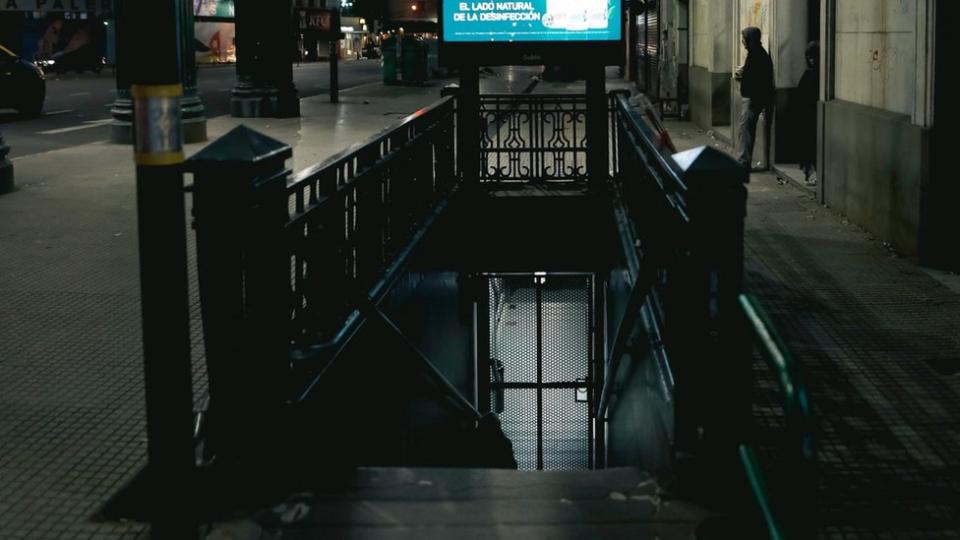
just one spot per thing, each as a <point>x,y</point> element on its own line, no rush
<point>389,62</point>
<point>413,60</point>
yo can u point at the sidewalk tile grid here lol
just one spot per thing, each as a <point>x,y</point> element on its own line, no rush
<point>866,326</point>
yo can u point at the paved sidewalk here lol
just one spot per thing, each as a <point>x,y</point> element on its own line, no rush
<point>879,339</point>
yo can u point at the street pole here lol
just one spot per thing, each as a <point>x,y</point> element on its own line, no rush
<point>468,123</point>
<point>127,38</point>
<point>335,58</point>
<point>6,168</point>
<point>265,41</point>
<point>334,70</point>
<point>597,128</point>
<point>156,92</point>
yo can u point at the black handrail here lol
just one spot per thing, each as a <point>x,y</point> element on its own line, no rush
<point>354,214</point>
<point>348,154</point>
<point>636,141</point>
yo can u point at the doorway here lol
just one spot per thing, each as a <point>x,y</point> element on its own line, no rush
<point>539,365</point>
<point>797,127</point>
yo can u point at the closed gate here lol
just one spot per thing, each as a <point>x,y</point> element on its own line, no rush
<point>540,366</point>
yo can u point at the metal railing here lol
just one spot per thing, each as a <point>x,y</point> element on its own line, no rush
<point>681,229</point>
<point>526,138</point>
<point>682,237</point>
<point>790,514</point>
<point>534,138</point>
<point>290,268</point>
<point>352,215</point>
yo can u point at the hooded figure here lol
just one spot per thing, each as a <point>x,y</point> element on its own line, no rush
<point>808,92</point>
<point>756,88</point>
<point>756,80</point>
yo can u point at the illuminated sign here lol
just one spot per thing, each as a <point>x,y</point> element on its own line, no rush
<point>531,21</point>
<point>213,8</point>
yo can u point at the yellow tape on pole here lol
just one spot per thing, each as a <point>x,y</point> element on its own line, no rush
<point>158,131</point>
<point>141,91</point>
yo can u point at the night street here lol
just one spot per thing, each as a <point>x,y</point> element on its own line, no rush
<point>579,269</point>
<point>77,108</point>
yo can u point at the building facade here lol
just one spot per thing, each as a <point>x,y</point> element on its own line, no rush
<point>879,159</point>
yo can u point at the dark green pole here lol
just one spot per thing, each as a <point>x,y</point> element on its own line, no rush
<point>128,39</point>
<point>158,153</point>
<point>468,124</point>
<point>334,70</point>
<point>597,127</point>
<point>121,129</point>
<point>265,45</point>
<point>6,168</point>
<point>192,110</point>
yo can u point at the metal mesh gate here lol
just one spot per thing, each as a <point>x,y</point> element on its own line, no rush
<point>540,350</point>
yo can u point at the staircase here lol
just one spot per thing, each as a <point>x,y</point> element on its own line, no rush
<point>475,503</point>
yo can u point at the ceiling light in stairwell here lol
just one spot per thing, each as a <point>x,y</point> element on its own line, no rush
<point>540,277</point>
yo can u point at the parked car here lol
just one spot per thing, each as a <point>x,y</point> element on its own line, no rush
<point>23,85</point>
<point>84,58</point>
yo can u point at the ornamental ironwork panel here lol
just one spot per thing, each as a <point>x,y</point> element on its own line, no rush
<point>533,138</point>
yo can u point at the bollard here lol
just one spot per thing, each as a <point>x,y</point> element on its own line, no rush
<point>240,213</point>
<point>704,324</point>
<point>6,168</point>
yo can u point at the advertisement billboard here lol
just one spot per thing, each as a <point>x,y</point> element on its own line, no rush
<point>531,21</point>
<point>213,8</point>
<point>495,32</point>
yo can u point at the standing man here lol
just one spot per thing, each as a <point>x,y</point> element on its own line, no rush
<point>756,88</point>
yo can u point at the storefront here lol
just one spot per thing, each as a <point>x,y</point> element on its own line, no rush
<point>214,31</point>
<point>356,36</point>
<point>59,34</point>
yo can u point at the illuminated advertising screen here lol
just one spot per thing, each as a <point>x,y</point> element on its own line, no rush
<point>468,21</point>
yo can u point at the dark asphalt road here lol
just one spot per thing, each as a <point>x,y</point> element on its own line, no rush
<point>77,109</point>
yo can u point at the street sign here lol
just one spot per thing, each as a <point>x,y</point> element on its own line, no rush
<point>325,23</point>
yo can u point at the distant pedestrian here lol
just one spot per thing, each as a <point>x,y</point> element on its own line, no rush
<point>756,88</point>
<point>808,92</point>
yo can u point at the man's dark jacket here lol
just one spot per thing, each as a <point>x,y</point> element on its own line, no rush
<point>757,81</point>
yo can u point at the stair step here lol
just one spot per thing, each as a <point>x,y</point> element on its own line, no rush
<point>476,503</point>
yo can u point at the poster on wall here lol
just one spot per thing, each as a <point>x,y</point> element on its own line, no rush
<point>213,8</point>
<point>60,44</point>
<point>216,42</point>
<point>531,21</point>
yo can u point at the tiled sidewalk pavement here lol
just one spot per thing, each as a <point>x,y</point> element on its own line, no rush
<point>879,339</point>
